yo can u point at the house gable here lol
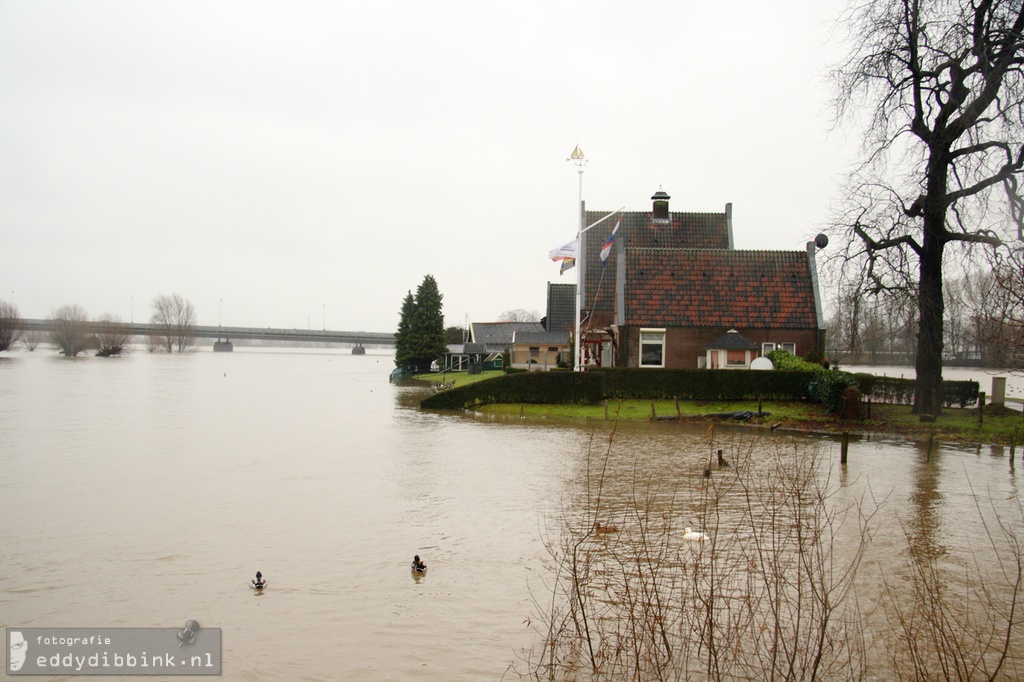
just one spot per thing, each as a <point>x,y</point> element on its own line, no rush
<point>639,229</point>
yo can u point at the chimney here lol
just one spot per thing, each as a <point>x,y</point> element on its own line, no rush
<point>660,206</point>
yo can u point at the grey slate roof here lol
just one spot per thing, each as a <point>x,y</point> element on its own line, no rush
<point>542,338</point>
<point>500,333</point>
<point>731,340</point>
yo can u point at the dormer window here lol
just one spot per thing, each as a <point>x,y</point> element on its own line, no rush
<point>660,212</point>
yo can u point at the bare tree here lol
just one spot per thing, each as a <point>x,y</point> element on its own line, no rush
<point>69,332</point>
<point>519,315</point>
<point>943,84</point>
<point>767,593</point>
<point>957,323</point>
<point>1003,325</point>
<point>982,304</point>
<point>114,336</point>
<point>9,330</point>
<point>176,318</point>
<point>32,339</point>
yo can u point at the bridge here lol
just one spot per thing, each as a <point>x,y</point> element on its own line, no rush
<point>228,333</point>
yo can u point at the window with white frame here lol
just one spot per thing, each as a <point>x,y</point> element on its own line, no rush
<point>788,347</point>
<point>736,357</point>
<point>767,348</point>
<point>652,347</point>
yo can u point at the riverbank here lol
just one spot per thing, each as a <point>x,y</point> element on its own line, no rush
<point>996,426</point>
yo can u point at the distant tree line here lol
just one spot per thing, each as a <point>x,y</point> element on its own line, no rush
<point>983,322</point>
<point>72,333</point>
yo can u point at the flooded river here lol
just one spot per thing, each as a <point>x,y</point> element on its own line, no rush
<point>147,490</point>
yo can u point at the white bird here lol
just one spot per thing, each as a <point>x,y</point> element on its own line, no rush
<point>692,535</point>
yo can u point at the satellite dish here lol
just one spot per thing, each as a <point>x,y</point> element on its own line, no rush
<point>821,241</point>
<point>761,363</point>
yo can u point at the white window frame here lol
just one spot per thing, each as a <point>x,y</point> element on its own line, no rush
<point>740,363</point>
<point>767,347</point>
<point>640,345</point>
<point>788,346</point>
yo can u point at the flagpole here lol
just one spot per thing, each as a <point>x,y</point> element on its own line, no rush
<point>580,160</point>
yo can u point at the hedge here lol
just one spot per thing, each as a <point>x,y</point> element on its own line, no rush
<point>704,384</point>
<point>590,388</point>
<point>586,388</point>
<point>901,391</point>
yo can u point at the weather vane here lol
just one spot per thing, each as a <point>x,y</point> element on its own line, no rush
<point>578,158</point>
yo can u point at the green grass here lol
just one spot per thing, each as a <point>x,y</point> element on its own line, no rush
<point>999,426</point>
<point>954,425</point>
<point>460,378</point>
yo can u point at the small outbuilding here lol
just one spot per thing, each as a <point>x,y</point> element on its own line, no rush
<point>539,351</point>
<point>730,351</point>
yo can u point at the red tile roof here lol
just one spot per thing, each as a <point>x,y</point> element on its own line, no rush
<point>719,288</point>
<point>639,230</point>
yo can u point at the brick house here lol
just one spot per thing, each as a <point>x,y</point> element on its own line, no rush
<point>675,283</point>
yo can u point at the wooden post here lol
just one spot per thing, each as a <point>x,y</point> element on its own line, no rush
<point>521,415</point>
<point>678,414</point>
<point>981,407</point>
<point>759,410</point>
<point>606,410</point>
<point>869,408</point>
<point>844,447</point>
<point>654,414</point>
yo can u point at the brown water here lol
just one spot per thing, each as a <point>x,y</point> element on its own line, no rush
<point>147,490</point>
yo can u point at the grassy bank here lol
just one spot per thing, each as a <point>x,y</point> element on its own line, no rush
<point>999,426</point>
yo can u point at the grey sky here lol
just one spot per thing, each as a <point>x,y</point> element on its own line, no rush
<point>278,163</point>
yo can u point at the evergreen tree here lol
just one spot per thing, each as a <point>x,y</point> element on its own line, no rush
<point>427,332</point>
<point>403,335</point>
<point>420,338</point>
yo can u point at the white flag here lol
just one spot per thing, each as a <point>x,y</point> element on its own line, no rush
<point>564,251</point>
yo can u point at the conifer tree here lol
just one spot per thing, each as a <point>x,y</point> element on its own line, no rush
<point>420,338</point>
<point>402,336</point>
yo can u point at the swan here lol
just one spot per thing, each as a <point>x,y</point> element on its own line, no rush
<point>692,535</point>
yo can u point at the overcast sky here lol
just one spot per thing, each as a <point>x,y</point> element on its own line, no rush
<point>299,163</point>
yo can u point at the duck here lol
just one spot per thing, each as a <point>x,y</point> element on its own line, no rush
<point>417,565</point>
<point>692,535</point>
<point>259,583</point>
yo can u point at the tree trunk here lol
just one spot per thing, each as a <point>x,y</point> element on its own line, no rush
<point>928,394</point>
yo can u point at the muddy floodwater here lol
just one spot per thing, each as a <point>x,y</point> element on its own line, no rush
<point>147,490</point>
